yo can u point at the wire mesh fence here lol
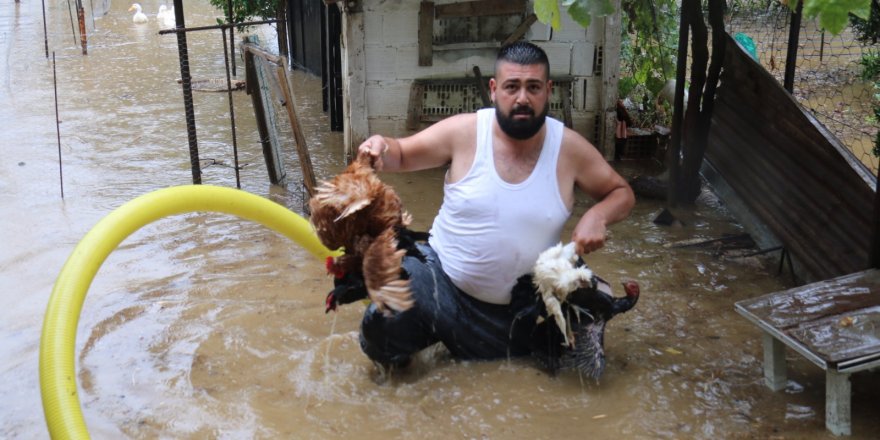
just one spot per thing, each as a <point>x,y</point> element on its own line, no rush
<point>828,73</point>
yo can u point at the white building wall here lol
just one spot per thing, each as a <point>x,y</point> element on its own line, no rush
<point>391,54</point>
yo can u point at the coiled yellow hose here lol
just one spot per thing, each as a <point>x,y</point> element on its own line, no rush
<point>57,345</point>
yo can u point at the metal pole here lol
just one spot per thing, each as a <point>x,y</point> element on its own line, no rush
<point>186,80</point>
<point>72,29</point>
<point>45,33</point>
<point>216,26</point>
<point>231,36</point>
<point>92,13</point>
<point>794,31</point>
<point>231,109</point>
<point>57,125</point>
<point>81,18</point>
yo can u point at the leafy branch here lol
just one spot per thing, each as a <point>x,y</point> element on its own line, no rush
<point>243,10</point>
<point>834,14</point>
<point>581,11</point>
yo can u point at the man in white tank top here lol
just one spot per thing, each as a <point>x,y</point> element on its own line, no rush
<point>509,190</point>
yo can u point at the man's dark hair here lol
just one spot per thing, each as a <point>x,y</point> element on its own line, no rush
<point>523,53</point>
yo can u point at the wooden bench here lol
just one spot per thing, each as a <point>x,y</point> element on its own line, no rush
<point>833,323</point>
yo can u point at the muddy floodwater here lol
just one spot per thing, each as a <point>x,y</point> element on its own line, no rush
<point>208,326</point>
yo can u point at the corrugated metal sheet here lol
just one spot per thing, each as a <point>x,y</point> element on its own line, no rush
<point>794,175</point>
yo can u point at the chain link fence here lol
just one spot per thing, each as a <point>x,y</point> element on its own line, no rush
<point>828,75</point>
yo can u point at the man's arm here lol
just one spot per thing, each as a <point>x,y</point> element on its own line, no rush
<point>432,147</point>
<point>593,175</point>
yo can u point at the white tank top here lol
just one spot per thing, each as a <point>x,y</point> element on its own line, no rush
<point>489,232</point>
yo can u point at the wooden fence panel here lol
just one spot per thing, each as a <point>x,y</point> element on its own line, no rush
<point>802,183</point>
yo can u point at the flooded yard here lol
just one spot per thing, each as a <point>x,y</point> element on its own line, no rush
<point>208,326</point>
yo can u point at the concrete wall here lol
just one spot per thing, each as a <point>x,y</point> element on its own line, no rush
<point>390,56</point>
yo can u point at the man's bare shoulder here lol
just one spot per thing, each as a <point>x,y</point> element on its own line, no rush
<point>576,148</point>
<point>461,121</point>
<point>457,128</point>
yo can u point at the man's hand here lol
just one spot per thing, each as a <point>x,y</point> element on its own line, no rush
<point>377,146</point>
<point>589,234</point>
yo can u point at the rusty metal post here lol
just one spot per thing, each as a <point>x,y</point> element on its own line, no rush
<point>186,81</point>
<point>231,110</point>
<point>81,18</point>
<point>231,35</point>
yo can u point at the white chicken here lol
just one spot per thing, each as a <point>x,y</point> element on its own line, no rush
<point>556,276</point>
<point>570,291</point>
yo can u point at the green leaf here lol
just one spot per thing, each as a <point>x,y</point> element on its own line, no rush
<point>548,12</point>
<point>863,12</point>
<point>580,14</point>
<point>834,14</point>
<point>583,11</point>
<point>602,8</point>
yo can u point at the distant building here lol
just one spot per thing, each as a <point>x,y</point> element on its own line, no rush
<point>392,67</point>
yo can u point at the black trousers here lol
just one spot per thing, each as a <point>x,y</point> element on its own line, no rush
<point>469,328</point>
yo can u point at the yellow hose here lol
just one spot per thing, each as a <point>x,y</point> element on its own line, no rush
<point>57,344</point>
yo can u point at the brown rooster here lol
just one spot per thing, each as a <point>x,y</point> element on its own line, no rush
<point>358,212</point>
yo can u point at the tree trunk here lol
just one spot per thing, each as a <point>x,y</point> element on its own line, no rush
<point>282,29</point>
<point>673,154</point>
<point>702,94</point>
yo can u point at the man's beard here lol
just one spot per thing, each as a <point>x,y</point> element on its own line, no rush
<point>521,128</point>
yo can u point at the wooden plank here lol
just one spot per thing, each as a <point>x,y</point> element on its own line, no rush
<point>781,170</point>
<point>354,99</point>
<point>275,168</point>
<point>786,123</point>
<point>790,201</point>
<point>759,183</point>
<point>609,51</point>
<point>480,8</point>
<point>414,112</point>
<point>521,29</point>
<point>565,94</point>
<point>426,33</point>
<point>789,171</point>
<point>755,92</point>
<point>302,149</point>
<point>470,45</point>
<point>481,87</point>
